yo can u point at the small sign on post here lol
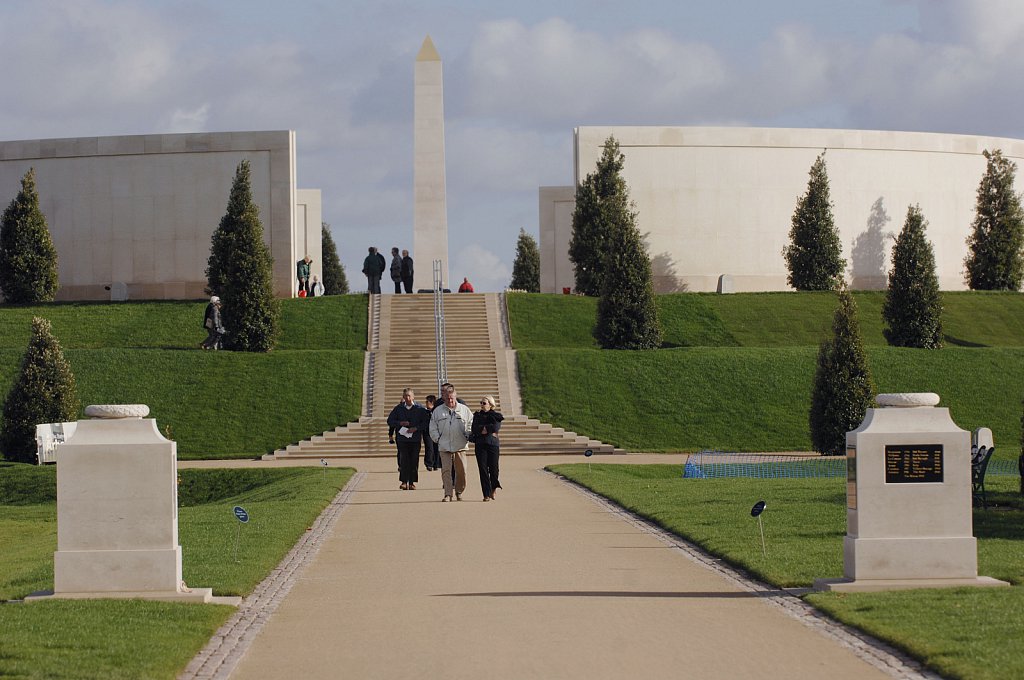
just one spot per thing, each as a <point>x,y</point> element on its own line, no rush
<point>756,512</point>
<point>243,518</point>
<point>323,462</point>
<point>588,453</point>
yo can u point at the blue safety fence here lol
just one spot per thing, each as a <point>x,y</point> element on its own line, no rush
<point>713,464</point>
<point>710,464</point>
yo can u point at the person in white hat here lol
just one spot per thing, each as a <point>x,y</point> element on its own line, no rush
<point>212,324</point>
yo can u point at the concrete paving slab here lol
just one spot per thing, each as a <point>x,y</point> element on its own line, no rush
<point>539,583</point>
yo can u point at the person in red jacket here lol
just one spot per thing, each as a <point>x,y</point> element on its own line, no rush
<point>466,286</point>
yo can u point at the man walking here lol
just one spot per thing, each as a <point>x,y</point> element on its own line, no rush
<point>396,269</point>
<point>406,271</point>
<point>450,427</point>
<point>408,418</point>
<point>373,270</point>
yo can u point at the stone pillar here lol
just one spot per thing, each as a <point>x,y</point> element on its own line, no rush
<point>430,210</point>
<point>117,510</point>
<point>908,500</point>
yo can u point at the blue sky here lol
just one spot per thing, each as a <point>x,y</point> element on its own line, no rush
<point>518,78</point>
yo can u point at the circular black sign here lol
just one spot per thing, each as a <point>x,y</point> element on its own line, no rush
<point>758,508</point>
<point>588,453</point>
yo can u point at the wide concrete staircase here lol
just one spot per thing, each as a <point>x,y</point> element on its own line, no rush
<point>480,361</point>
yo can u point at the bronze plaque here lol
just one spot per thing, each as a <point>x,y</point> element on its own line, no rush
<point>913,463</point>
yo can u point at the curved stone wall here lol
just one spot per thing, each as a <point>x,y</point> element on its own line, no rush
<point>716,201</point>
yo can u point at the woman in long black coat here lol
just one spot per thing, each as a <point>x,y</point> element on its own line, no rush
<point>486,423</point>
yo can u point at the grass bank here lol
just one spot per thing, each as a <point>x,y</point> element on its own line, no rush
<point>960,633</point>
<point>735,371</point>
<point>134,639</point>
<point>214,404</point>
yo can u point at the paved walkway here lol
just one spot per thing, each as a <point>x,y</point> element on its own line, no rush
<point>542,583</point>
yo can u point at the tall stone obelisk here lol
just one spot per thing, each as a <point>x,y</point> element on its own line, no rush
<point>430,209</point>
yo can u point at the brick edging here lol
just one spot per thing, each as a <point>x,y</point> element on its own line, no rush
<point>882,656</point>
<point>229,644</point>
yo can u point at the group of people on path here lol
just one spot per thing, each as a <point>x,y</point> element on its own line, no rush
<point>401,270</point>
<point>308,287</point>
<point>446,429</point>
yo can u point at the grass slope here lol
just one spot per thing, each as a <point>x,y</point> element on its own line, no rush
<point>215,404</point>
<point>736,370</point>
<point>961,633</point>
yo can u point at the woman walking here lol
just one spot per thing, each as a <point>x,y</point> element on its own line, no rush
<point>486,423</point>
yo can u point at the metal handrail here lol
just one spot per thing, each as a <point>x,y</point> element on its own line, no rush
<point>440,350</point>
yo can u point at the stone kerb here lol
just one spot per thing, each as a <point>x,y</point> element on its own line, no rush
<point>117,510</point>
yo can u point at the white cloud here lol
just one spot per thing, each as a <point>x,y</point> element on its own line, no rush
<point>554,71</point>
<point>485,270</point>
<point>188,121</point>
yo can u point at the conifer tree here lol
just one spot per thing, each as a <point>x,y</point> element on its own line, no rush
<point>627,317</point>
<point>526,268</point>
<point>913,305</point>
<point>596,201</point>
<point>44,392</point>
<point>28,258</point>
<point>843,388</point>
<point>335,282</point>
<point>814,254</point>
<point>996,242</point>
<point>240,271</point>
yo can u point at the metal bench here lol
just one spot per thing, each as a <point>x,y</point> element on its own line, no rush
<point>979,464</point>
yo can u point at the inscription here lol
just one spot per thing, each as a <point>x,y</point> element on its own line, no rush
<point>913,463</point>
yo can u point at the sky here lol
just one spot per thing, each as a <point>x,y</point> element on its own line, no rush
<point>518,78</point>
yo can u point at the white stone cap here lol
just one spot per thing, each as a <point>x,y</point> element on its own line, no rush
<point>907,399</point>
<point>117,411</point>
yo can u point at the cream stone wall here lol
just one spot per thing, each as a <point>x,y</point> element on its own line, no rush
<point>714,201</point>
<point>308,234</point>
<point>141,209</point>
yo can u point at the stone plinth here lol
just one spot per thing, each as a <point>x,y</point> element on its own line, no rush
<point>909,517</point>
<point>117,510</point>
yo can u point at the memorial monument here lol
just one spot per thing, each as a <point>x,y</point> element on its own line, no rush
<point>430,210</point>
<point>117,511</point>
<point>909,522</point>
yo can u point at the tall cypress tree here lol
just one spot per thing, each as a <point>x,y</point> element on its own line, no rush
<point>335,282</point>
<point>44,392</point>
<point>596,199</point>
<point>627,317</point>
<point>28,258</point>
<point>913,305</point>
<point>526,268</point>
<point>240,271</point>
<point>843,388</point>
<point>996,242</point>
<point>814,254</point>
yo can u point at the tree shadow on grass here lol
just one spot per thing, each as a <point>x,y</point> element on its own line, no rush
<point>997,522</point>
<point>960,342</point>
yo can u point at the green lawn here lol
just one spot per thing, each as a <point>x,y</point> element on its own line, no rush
<point>134,639</point>
<point>735,371</point>
<point>751,398</point>
<point>332,322</point>
<point>961,633</point>
<point>215,404</point>
<point>970,319</point>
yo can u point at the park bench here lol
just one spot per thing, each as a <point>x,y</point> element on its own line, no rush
<point>979,464</point>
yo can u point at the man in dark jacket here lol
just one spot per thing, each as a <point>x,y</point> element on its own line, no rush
<point>409,419</point>
<point>383,266</point>
<point>373,267</point>
<point>406,271</point>
<point>396,269</point>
